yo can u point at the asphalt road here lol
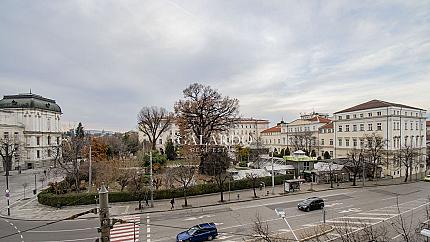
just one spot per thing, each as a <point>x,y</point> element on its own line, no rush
<point>350,208</point>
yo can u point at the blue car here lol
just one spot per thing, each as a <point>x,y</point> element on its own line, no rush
<point>201,232</point>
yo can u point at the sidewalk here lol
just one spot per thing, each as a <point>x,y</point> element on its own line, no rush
<point>32,210</point>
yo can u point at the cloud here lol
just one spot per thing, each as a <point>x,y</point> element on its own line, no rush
<point>103,60</point>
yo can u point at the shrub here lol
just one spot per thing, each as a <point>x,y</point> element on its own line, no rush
<point>49,198</point>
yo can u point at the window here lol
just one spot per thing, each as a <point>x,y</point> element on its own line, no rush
<point>378,114</point>
<point>58,140</point>
<point>49,140</point>
<point>370,114</point>
<point>340,142</point>
<point>340,128</point>
<point>340,117</point>
<point>306,165</point>
<point>355,116</point>
<point>37,140</point>
<point>331,153</point>
<point>161,141</point>
<point>378,126</point>
<point>346,142</point>
<point>347,128</point>
<point>362,143</point>
<point>406,113</point>
<point>331,141</point>
<point>416,125</point>
<point>49,153</point>
<point>322,141</point>
<point>361,115</point>
<point>369,127</point>
<point>347,116</point>
<point>354,127</point>
<point>406,126</point>
<point>6,135</point>
<point>38,154</point>
<point>361,127</point>
<point>412,126</point>
<point>354,142</point>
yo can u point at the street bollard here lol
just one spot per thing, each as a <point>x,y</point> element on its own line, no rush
<point>238,196</point>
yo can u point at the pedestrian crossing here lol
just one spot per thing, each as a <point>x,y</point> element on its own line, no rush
<point>126,232</point>
<point>359,220</point>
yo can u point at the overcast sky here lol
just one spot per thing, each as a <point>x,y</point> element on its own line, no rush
<point>103,60</point>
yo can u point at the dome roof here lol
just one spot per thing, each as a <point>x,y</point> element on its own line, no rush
<point>29,100</point>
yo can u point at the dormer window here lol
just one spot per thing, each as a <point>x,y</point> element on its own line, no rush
<point>14,102</point>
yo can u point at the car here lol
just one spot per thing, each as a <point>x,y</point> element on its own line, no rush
<point>201,232</point>
<point>427,178</point>
<point>311,203</point>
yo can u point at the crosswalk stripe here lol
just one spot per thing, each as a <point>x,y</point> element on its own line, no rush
<point>126,232</point>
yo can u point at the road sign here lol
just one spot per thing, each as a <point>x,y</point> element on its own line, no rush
<point>280,212</point>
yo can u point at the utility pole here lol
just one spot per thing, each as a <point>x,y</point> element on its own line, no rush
<point>150,177</point>
<point>35,185</point>
<point>364,178</point>
<point>90,184</point>
<point>273,175</point>
<point>104,229</point>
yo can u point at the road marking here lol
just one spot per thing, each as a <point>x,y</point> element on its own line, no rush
<point>351,210</point>
<point>361,218</point>
<point>126,231</point>
<point>70,240</point>
<point>379,214</point>
<point>332,205</point>
<point>395,237</point>
<point>346,222</point>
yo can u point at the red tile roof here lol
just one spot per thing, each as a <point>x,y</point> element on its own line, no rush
<point>428,123</point>
<point>274,129</point>
<point>320,119</point>
<point>375,104</point>
<point>327,126</point>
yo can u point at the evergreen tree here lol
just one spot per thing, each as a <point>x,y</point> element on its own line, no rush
<point>287,151</point>
<point>79,132</point>
<point>170,150</point>
<point>326,155</point>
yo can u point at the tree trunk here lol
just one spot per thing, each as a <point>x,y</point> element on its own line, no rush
<point>140,203</point>
<point>410,171</point>
<point>255,194</point>
<point>354,179</point>
<point>331,180</point>
<point>407,174</point>
<point>185,198</point>
<point>222,195</point>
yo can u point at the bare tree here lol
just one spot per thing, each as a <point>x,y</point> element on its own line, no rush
<point>374,149</point>
<point>216,162</point>
<point>355,162</point>
<point>9,150</point>
<point>254,181</point>
<point>304,141</point>
<point>153,121</point>
<point>184,174</point>
<point>138,185</point>
<point>407,156</point>
<point>71,156</point>
<point>256,150</point>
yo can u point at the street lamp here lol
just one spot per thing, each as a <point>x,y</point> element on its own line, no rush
<point>281,212</point>
<point>273,175</point>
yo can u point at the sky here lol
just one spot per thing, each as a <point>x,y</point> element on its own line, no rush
<point>102,61</point>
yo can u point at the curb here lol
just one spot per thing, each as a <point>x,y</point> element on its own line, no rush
<point>2,215</point>
<point>317,235</point>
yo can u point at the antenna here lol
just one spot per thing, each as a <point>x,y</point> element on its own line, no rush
<point>30,90</point>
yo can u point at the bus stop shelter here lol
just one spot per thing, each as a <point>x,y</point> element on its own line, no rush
<point>293,185</point>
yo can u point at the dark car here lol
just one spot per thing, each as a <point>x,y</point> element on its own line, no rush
<point>201,232</point>
<point>311,203</point>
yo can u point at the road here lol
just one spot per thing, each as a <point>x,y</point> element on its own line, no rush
<point>349,208</point>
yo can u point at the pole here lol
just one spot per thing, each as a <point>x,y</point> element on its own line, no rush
<point>90,170</point>
<point>229,188</point>
<point>7,193</point>
<point>324,215</point>
<point>292,231</point>
<point>150,177</point>
<point>104,215</point>
<point>364,178</point>
<point>273,177</point>
<point>35,186</point>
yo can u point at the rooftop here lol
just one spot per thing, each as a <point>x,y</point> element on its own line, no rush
<point>30,101</point>
<point>375,104</point>
<point>274,129</point>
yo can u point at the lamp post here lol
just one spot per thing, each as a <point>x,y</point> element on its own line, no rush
<point>150,177</point>
<point>7,193</point>
<point>90,171</point>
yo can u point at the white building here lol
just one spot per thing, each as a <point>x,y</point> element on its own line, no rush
<point>35,122</point>
<point>397,124</point>
<point>245,128</point>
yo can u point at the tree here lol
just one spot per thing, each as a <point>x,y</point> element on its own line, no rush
<point>153,121</point>
<point>131,142</point>
<point>9,150</point>
<point>254,180</point>
<point>137,185</point>
<point>204,112</point>
<point>327,156</point>
<point>170,150</point>
<point>313,153</point>
<point>184,174</point>
<point>71,155</point>
<point>287,151</point>
<point>256,150</point>
<point>355,162</point>
<point>215,164</point>
<point>374,149</point>
<point>407,156</point>
<point>303,141</point>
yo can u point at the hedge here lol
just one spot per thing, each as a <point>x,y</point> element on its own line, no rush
<point>47,197</point>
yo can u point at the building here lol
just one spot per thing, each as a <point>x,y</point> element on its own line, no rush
<point>271,137</point>
<point>246,128</point>
<point>326,139</point>
<point>399,125</point>
<point>34,123</point>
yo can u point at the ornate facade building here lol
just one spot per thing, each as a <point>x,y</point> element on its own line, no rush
<point>32,122</point>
